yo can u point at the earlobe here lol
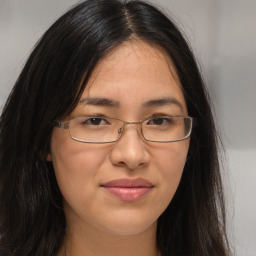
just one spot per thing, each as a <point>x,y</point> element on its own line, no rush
<point>49,157</point>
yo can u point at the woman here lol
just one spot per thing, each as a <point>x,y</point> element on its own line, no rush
<point>108,145</point>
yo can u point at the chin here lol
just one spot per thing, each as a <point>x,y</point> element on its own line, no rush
<point>128,227</point>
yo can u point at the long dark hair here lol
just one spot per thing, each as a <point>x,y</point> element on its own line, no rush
<point>32,221</point>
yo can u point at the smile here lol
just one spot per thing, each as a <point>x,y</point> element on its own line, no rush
<point>128,189</point>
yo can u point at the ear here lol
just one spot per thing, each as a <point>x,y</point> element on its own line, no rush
<point>48,157</point>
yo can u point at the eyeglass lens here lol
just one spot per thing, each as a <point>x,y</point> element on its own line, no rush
<point>105,129</point>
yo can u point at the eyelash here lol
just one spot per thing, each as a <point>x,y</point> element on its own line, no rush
<point>94,118</point>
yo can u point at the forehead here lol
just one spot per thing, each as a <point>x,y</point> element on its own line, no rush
<point>133,73</point>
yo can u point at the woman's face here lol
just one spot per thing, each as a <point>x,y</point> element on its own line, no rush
<point>122,188</point>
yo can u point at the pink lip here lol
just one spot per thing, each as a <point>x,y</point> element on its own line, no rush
<point>128,189</point>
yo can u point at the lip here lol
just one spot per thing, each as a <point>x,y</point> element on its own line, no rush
<point>128,190</point>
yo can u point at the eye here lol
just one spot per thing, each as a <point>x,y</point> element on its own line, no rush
<point>95,121</point>
<point>159,121</point>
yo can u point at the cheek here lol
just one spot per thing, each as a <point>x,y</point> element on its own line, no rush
<point>172,157</point>
<point>171,161</point>
<point>76,165</point>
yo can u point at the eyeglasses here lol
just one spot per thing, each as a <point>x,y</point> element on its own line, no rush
<point>104,129</point>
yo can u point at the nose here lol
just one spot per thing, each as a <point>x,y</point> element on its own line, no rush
<point>130,150</point>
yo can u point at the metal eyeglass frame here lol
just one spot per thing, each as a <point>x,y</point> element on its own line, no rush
<point>65,125</point>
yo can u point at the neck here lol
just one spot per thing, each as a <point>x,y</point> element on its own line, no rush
<point>90,242</point>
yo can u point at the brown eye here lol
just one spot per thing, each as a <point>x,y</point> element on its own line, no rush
<point>95,121</point>
<point>158,121</point>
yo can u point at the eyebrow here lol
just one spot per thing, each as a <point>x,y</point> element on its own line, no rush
<point>112,103</point>
<point>162,102</point>
<point>100,102</point>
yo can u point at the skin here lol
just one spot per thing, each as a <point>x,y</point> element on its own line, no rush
<point>99,223</point>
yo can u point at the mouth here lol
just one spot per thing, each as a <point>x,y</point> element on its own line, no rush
<point>128,190</point>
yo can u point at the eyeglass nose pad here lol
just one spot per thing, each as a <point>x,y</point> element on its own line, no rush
<point>120,130</point>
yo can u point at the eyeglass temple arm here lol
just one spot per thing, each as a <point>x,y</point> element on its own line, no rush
<point>61,125</point>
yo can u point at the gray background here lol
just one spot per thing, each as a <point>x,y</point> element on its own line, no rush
<point>223,36</point>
